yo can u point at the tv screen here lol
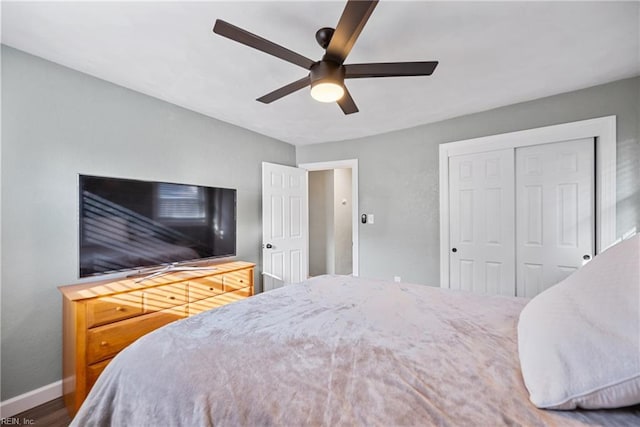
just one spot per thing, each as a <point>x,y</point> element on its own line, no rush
<point>126,224</point>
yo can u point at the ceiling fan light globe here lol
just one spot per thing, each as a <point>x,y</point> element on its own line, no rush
<point>327,91</point>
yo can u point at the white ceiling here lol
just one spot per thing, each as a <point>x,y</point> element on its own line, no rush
<point>491,54</point>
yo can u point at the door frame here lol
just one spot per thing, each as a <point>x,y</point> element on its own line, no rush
<point>603,129</point>
<point>340,164</point>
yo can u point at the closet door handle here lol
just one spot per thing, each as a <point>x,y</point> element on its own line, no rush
<point>454,250</point>
<point>269,246</point>
<point>586,257</point>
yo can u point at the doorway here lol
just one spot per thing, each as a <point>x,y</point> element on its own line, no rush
<point>330,232</point>
<point>333,217</point>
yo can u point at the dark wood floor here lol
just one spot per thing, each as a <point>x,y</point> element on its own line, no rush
<point>50,414</point>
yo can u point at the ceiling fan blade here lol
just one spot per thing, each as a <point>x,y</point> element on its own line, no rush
<point>242,36</point>
<point>389,69</point>
<point>347,103</point>
<point>285,90</point>
<point>354,17</point>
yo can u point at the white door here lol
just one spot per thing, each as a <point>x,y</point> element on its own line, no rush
<point>481,198</point>
<point>284,223</point>
<point>555,212</point>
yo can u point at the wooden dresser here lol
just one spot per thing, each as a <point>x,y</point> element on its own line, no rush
<point>102,318</point>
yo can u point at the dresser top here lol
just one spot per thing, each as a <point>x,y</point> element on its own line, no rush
<point>110,287</point>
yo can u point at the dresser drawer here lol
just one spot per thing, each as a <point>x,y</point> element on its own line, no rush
<point>94,371</point>
<point>163,297</point>
<point>113,308</point>
<point>205,287</point>
<point>105,341</point>
<point>218,301</point>
<point>237,280</point>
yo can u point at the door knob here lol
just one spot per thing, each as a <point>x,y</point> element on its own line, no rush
<point>586,257</point>
<point>269,246</point>
<point>454,250</point>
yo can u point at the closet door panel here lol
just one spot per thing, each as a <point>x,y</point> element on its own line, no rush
<point>481,198</point>
<point>555,212</point>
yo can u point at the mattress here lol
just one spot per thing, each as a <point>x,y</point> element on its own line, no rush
<point>333,350</point>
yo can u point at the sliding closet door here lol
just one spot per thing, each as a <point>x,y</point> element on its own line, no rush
<point>554,211</point>
<point>481,198</point>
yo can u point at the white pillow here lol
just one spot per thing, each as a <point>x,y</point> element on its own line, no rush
<point>579,341</point>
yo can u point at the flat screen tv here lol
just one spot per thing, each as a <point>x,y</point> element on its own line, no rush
<point>128,224</point>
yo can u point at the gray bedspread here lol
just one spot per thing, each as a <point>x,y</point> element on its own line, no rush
<point>332,351</point>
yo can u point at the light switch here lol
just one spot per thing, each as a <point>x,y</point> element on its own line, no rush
<point>370,218</point>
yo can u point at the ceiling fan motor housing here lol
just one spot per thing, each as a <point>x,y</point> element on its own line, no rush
<point>327,72</point>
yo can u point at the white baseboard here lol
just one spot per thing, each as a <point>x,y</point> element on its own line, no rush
<point>30,399</point>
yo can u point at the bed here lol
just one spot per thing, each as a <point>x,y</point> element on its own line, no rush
<point>333,350</point>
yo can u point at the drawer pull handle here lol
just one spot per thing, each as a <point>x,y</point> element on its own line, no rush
<point>241,281</point>
<point>172,297</point>
<point>119,308</point>
<point>210,289</point>
<point>104,343</point>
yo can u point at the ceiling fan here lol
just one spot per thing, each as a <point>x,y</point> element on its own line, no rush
<point>326,77</point>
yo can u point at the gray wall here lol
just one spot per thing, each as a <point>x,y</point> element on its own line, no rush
<point>398,179</point>
<point>57,123</point>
